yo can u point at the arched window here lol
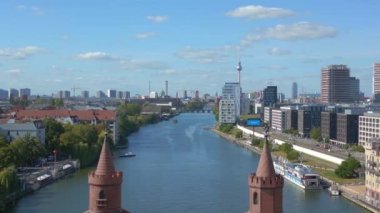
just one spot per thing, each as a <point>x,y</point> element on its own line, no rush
<point>102,195</point>
<point>255,198</point>
<point>102,200</point>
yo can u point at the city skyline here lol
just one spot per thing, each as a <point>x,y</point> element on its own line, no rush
<point>53,46</point>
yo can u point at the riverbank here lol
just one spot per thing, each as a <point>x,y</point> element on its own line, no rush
<point>350,192</point>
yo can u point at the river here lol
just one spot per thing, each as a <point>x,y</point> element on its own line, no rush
<point>182,167</point>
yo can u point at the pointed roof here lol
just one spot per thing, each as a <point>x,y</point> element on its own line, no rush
<point>105,164</point>
<point>265,167</point>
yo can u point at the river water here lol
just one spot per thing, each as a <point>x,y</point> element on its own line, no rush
<point>182,167</point>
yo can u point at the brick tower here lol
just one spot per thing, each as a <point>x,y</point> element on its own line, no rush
<point>265,186</point>
<point>105,185</point>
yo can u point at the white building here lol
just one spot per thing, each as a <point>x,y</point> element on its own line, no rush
<point>232,92</point>
<point>369,127</point>
<point>227,111</point>
<point>268,115</point>
<point>153,95</point>
<point>278,119</point>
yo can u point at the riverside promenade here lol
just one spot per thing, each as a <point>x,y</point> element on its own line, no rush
<point>354,193</point>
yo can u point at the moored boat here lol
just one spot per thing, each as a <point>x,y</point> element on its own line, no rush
<point>298,174</point>
<point>334,190</point>
<point>129,154</point>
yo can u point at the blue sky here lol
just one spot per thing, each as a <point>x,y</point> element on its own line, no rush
<point>194,44</point>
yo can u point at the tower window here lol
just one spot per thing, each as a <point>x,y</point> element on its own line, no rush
<point>102,200</point>
<point>255,198</point>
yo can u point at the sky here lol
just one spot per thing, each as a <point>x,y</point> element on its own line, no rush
<point>194,44</point>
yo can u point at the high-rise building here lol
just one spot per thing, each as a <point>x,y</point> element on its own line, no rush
<point>347,129</point>
<point>66,94</point>
<point>196,94</point>
<point>239,68</point>
<point>153,94</point>
<point>111,93</point>
<point>100,94</point>
<point>265,186</point>
<point>4,94</point>
<point>230,91</point>
<point>166,88</point>
<point>13,93</point>
<point>85,94</point>
<point>270,96</point>
<point>278,119</point>
<point>227,112</point>
<point>328,125</point>
<point>184,94</point>
<point>369,127</point>
<point>25,92</point>
<point>294,90</point>
<point>105,185</point>
<point>376,81</point>
<point>337,86</point>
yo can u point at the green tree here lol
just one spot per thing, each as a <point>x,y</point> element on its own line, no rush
<point>238,134</point>
<point>348,168</point>
<point>53,130</point>
<point>286,147</point>
<point>195,105</point>
<point>357,148</point>
<point>226,128</point>
<point>315,133</point>
<point>292,155</point>
<point>27,150</point>
<point>255,142</point>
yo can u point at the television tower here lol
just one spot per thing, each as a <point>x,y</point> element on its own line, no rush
<point>239,68</point>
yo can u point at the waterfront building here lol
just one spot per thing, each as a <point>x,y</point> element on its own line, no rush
<point>376,82</point>
<point>245,105</point>
<point>372,176</point>
<point>268,115</point>
<point>304,122</point>
<point>13,93</point>
<point>328,125</point>
<point>291,117</point>
<point>294,90</point>
<point>85,94</point>
<point>270,96</point>
<point>111,93</point>
<point>337,86</point>
<point>25,93</point>
<point>227,111</point>
<point>12,131</point>
<point>347,129</point>
<point>231,92</point>
<point>369,127</point>
<point>265,186</point>
<point>105,185</point>
<point>278,119</point>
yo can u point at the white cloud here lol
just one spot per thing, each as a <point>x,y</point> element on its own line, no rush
<point>30,9</point>
<point>13,71</point>
<point>202,55</point>
<point>294,32</point>
<point>278,51</point>
<point>94,56</point>
<point>259,12</point>
<point>133,64</point>
<point>20,53</point>
<point>145,35</point>
<point>157,19</point>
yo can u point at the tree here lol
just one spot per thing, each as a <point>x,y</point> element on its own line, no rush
<point>238,134</point>
<point>226,128</point>
<point>27,150</point>
<point>315,133</point>
<point>292,155</point>
<point>53,130</point>
<point>357,148</point>
<point>348,168</point>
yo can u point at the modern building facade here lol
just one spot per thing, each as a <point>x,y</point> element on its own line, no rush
<point>13,93</point>
<point>230,92</point>
<point>347,129</point>
<point>291,117</point>
<point>337,86</point>
<point>294,90</point>
<point>278,119</point>
<point>328,125</point>
<point>100,94</point>
<point>372,172</point>
<point>227,112</point>
<point>270,96</point>
<point>369,127</point>
<point>304,123</point>
<point>268,115</point>
<point>111,93</point>
<point>4,94</point>
<point>376,80</point>
<point>85,94</point>
<point>25,93</point>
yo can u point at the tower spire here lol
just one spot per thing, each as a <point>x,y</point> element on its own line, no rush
<point>239,68</point>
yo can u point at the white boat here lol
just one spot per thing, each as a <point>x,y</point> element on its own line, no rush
<point>298,174</point>
<point>129,154</point>
<point>334,190</point>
